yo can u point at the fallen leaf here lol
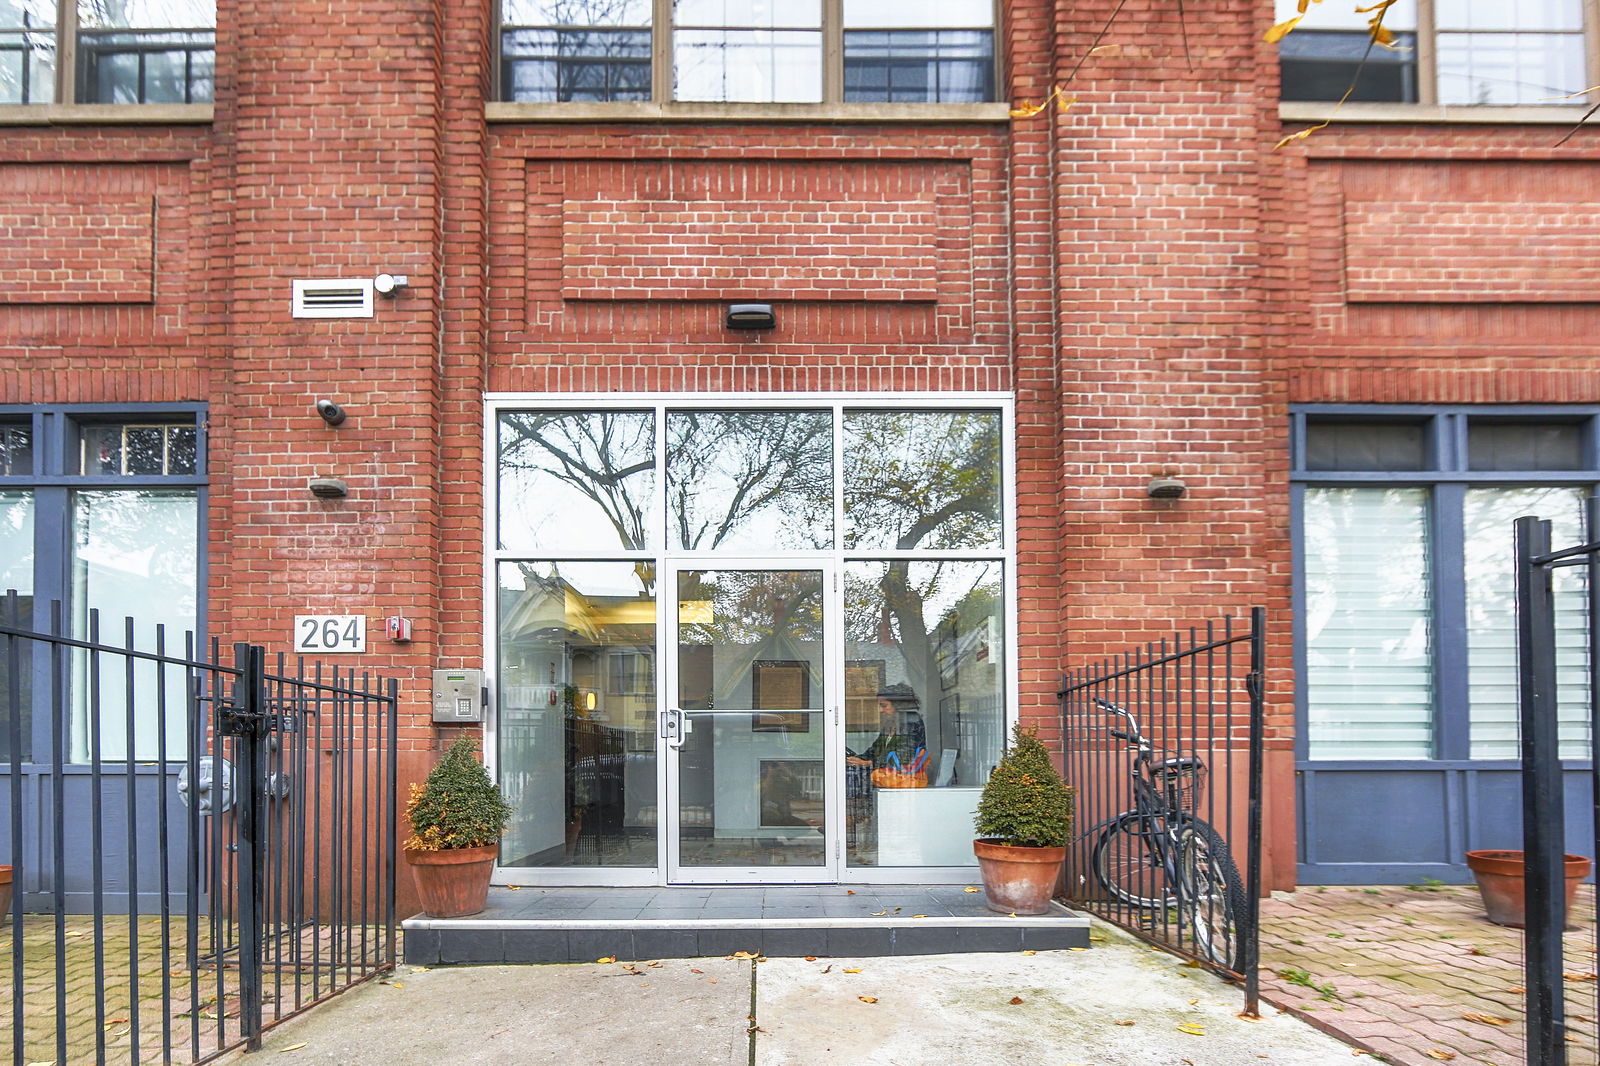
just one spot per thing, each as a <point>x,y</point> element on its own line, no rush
<point>969,888</point>
<point>1015,1000</point>
<point>879,914</point>
<point>853,971</point>
<point>1486,1019</point>
<point>1578,977</point>
<point>868,999</point>
<point>419,969</point>
<point>1122,1023</point>
<point>1440,1054</point>
<point>713,980</point>
<point>394,984</point>
<point>1013,914</point>
<point>656,963</point>
<point>754,1029</point>
<point>1096,938</point>
<point>115,1021</point>
<point>741,955</point>
<point>897,908</point>
<point>1030,951</point>
<point>292,1047</point>
<point>811,958</point>
<point>693,970</point>
<point>915,915</point>
<point>829,968</point>
<point>607,958</point>
<point>1192,1028</point>
<point>849,891</point>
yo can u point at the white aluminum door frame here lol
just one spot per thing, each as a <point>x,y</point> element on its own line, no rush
<point>832,731</point>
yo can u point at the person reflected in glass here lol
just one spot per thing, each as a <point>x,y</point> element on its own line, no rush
<point>901,734</point>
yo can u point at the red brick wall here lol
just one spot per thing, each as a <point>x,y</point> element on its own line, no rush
<point>1154,283</point>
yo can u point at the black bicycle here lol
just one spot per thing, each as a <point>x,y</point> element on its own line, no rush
<point>1160,857</point>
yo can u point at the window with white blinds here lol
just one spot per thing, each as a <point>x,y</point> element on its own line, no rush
<point>1492,616</point>
<point>1368,639</point>
<point>1407,578</point>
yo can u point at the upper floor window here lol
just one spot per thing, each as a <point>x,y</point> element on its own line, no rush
<point>1449,52</point>
<point>107,51</point>
<point>747,51</point>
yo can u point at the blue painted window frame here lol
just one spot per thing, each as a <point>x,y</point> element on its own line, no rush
<point>55,430</point>
<point>1447,478</point>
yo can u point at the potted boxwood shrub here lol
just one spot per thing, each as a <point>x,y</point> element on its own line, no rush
<point>457,817</point>
<point>1024,822</point>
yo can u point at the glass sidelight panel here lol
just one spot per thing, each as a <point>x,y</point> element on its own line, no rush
<point>924,690</point>
<point>750,480</point>
<point>577,713</point>
<point>750,789</point>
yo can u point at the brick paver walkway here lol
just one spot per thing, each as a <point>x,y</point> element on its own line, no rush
<point>1417,974</point>
<point>201,1014</point>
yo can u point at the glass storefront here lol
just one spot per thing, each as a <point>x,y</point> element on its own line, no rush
<point>747,642</point>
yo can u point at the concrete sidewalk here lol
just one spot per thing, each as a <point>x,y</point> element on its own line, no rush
<point>1119,1003</point>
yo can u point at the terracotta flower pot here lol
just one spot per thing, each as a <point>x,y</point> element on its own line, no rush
<point>455,882</point>
<point>1018,880</point>
<point>1502,883</point>
<point>5,893</point>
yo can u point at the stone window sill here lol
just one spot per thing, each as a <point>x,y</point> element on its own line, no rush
<point>104,114</point>
<point>758,113</point>
<point>1541,115</point>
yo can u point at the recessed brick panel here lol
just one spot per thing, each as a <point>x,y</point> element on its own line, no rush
<point>1472,233</point>
<point>802,250</point>
<point>77,248</point>
<point>879,249</point>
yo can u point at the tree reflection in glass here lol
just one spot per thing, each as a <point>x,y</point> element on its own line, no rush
<point>576,480</point>
<point>922,479</point>
<point>760,480</point>
<point>730,619</point>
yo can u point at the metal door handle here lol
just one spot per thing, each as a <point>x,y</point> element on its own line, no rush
<point>672,727</point>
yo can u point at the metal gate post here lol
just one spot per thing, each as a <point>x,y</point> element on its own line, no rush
<point>1543,825</point>
<point>1255,682</point>
<point>247,721</point>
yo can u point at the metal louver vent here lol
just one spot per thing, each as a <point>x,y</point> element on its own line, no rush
<point>333,298</point>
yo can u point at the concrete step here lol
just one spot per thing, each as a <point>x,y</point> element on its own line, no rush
<point>532,925</point>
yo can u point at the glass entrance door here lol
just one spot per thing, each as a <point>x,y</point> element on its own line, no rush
<point>748,728</point>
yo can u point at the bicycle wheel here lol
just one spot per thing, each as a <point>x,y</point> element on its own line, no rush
<point>1210,894</point>
<point>1127,863</point>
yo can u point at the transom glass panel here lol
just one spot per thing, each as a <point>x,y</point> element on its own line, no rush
<point>758,480</point>
<point>576,480</point>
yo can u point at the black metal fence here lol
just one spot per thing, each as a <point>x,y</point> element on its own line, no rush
<point>1544,802</point>
<point>1165,747</point>
<point>199,848</point>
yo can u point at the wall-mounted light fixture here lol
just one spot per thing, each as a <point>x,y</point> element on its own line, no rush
<point>389,284</point>
<point>331,412</point>
<point>1165,488</point>
<point>328,488</point>
<point>590,701</point>
<point>751,316</point>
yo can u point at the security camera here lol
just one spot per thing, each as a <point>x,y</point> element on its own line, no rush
<point>331,412</point>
